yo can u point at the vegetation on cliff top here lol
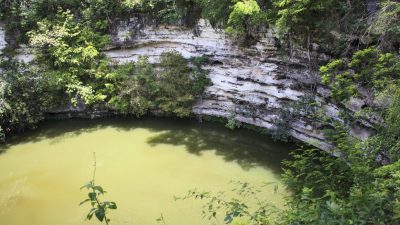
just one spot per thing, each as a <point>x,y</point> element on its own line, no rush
<point>338,27</point>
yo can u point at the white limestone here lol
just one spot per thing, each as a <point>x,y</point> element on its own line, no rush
<point>3,42</point>
<point>24,54</point>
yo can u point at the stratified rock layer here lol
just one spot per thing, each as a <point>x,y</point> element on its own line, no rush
<point>251,85</point>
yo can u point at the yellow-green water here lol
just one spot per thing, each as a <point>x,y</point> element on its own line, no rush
<point>142,164</point>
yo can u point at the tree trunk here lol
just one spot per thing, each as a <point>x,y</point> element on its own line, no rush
<point>309,46</point>
<point>290,45</point>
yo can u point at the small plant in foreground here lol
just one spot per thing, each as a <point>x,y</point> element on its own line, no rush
<point>99,208</point>
<point>238,209</point>
<point>161,220</point>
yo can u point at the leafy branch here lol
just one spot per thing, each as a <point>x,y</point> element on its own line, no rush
<point>263,212</point>
<point>99,208</point>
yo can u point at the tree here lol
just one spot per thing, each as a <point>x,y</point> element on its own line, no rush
<point>217,12</point>
<point>72,55</point>
<point>170,86</point>
<point>136,88</point>
<point>369,68</point>
<point>26,92</point>
<point>386,26</point>
<point>306,20</point>
<point>243,16</point>
<point>176,92</point>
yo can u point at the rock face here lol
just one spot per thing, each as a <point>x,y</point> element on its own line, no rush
<point>252,85</point>
<point>3,42</point>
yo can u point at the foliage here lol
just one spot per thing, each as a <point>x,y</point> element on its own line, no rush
<point>94,14</point>
<point>340,83</point>
<point>241,19</point>
<point>175,85</point>
<point>312,169</point>
<point>327,191</point>
<point>386,26</point>
<point>368,68</point>
<point>72,54</point>
<point>385,143</point>
<point>163,11</point>
<point>25,94</point>
<point>135,88</point>
<point>337,26</point>
<point>360,186</point>
<point>216,12</point>
<point>69,68</point>
<point>234,209</point>
<point>305,21</point>
<point>99,208</point>
<point>232,123</point>
<point>24,14</point>
<point>244,14</point>
<point>199,75</point>
<point>171,86</point>
<point>99,15</point>
<point>2,135</point>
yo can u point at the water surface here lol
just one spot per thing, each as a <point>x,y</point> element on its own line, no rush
<point>142,164</point>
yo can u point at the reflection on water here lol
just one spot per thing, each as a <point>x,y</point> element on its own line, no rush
<point>142,163</point>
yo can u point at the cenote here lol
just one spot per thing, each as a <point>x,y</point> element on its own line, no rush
<point>142,164</point>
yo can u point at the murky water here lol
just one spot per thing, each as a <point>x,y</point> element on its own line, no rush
<point>142,164</point>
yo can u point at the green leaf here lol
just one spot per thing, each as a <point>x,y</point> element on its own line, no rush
<point>90,214</point>
<point>228,219</point>
<point>100,214</point>
<point>112,205</point>
<point>99,189</point>
<point>92,196</point>
<point>88,185</point>
<point>86,200</point>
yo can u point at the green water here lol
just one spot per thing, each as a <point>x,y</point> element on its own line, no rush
<point>142,164</point>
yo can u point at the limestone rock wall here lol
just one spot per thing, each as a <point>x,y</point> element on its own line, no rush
<point>251,84</point>
<point>3,42</point>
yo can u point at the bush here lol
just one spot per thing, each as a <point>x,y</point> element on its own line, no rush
<point>135,87</point>
<point>171,86</point>
<point>368,68</point>
<point>176,92</point>
<point>26,92</point>
<point>71,53</point>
